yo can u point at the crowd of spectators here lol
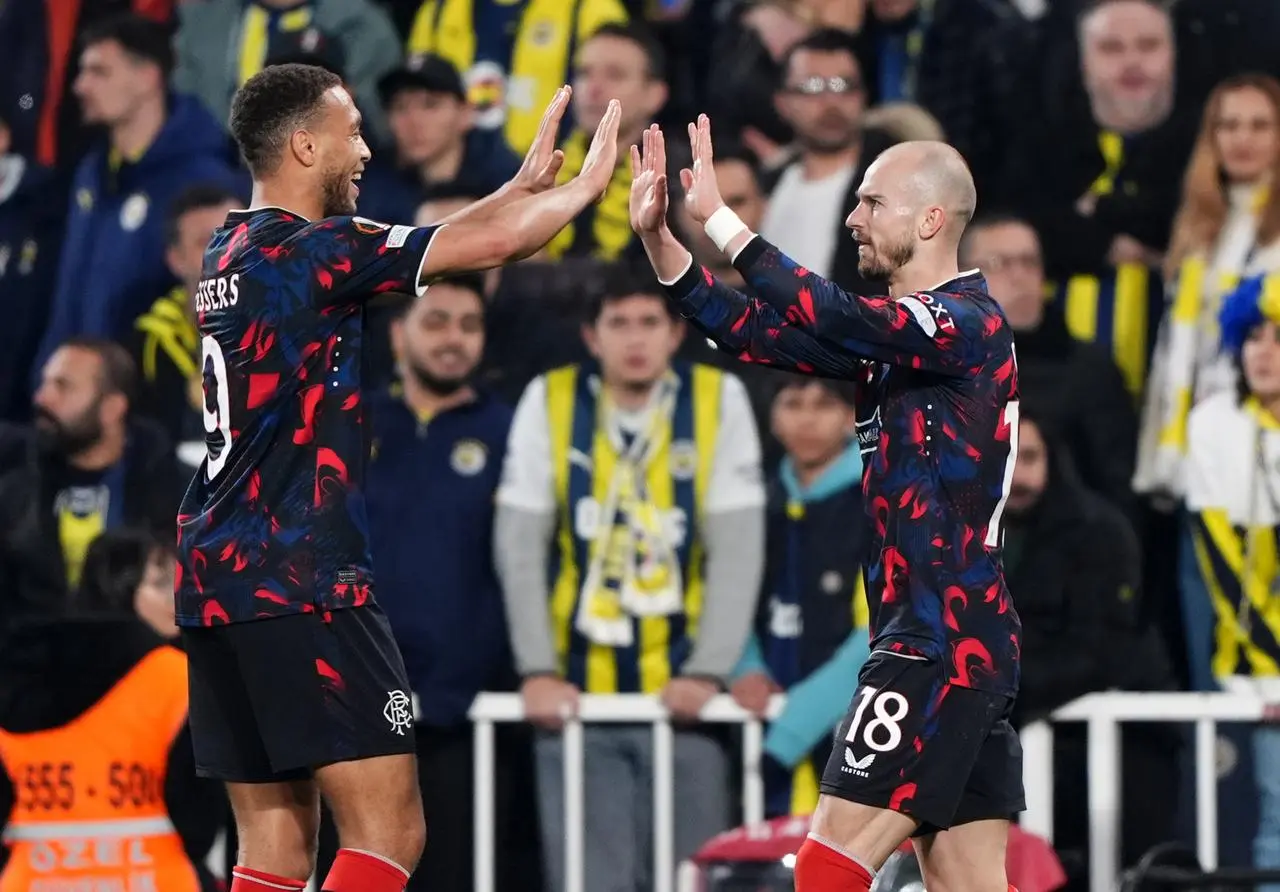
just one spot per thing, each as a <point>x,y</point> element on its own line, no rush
<point>570,493</point>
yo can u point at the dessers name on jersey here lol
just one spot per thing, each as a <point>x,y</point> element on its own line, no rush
<point>218,293</point>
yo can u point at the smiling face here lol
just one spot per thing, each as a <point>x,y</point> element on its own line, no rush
<point>341,152</point>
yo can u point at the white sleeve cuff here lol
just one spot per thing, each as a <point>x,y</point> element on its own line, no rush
<point>688,266</point>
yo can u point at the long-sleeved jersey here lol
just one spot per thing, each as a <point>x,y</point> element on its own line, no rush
<point>937,423</point>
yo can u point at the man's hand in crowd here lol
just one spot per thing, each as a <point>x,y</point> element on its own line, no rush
<point>1127,249</point>
<point>685,697</point>
<point>548,701</point>
<point>752,692</point>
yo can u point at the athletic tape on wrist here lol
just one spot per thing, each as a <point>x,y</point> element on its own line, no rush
<point>722,226</point>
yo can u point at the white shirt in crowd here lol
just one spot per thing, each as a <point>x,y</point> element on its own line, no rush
<point>804,217</point>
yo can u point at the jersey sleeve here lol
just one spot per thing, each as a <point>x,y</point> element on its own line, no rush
<point>752,330</point>
<point>930,330</point>
<point>359,259</point>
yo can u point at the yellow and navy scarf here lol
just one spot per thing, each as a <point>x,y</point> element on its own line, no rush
<point>603,229</point>
<point>628,538</point>
<point>169,331</point>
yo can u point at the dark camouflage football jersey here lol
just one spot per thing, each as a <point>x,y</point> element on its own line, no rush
<point>937,423</point>
<point>274,521</point>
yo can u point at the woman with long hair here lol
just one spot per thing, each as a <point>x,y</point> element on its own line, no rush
<point>1227,230</point>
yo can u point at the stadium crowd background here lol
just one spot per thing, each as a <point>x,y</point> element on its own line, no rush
<point>1123,151</point>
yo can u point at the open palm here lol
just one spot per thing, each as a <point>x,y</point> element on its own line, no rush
<point>649,200</point>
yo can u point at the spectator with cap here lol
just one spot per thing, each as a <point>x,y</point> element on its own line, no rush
<point>157,143</point>
<point>223,43</point>
<point>433,143</point>
<point>30,232</point>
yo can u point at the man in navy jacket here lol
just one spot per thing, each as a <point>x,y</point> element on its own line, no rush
<point>157,143</point>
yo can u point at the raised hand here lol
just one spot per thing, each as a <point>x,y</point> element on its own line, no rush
<point>649,183</point>
<point>701,192</point>
<point>602,156</point>
<point>543,160</point>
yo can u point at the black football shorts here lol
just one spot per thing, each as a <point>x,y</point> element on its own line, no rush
<point>912,742</point>
<point>274,699</point>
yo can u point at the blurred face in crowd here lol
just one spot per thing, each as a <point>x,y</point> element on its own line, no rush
<point>1261,361</point>
<point>822,99</point>
<point>186,255</point>
<point>740,190</point>
<point>425,125</point>
<point>1246,135</point>
<point>812,423</point>
<point>1008,254</point>
<point>1030,472</point>
<point>893,10</point>
<point>1127,55</point>
<point>71,410</point>
<point>341,151</point>
<point>440,338</point>
<point>437,209</point>
<point>112,84</point>
<point>153,600</point>
<point>611,67</point>
<point>634,339</point>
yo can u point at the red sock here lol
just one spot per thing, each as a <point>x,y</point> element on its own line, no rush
<point>820,867</point>
<point>246,879</point>
<point>357,871</point>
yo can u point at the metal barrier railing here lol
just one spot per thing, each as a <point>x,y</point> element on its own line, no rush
<point>1103,714</point>
<point>491,709</point>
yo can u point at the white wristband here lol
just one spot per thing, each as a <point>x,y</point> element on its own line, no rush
<point>722,226</point>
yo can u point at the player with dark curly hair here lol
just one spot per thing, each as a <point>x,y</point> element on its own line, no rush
<point>297,688</point>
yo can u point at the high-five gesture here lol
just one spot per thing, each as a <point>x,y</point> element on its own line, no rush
<point>649,183</point>
<point>602,156</point>
<point>543,160</point>
<point>701,192</point>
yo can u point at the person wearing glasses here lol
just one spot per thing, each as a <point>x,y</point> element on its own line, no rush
<point>823,98</point>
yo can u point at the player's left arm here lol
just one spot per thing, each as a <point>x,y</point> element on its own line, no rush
<point>746,327</point>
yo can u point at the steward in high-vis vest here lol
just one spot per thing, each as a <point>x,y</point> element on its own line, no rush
<point>97,784</point>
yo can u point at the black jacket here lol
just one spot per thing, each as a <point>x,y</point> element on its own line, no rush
<point>33,577</point>
<point>1076,580</point>
<point>1080,392</point>
<point>52,671</point>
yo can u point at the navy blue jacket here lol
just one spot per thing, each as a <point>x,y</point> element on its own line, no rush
<point>430,490</point>
<point>30,234</point>
<point>392,194</point>
<point>113,263</point>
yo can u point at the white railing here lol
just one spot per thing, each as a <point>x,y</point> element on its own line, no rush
<point>491,709</point>
<point>1103,714</point>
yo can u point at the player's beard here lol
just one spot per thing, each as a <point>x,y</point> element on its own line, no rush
<point>436,384</point>
<point>337,194</point>
<point>879,264</point>
<point>72,437</point>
